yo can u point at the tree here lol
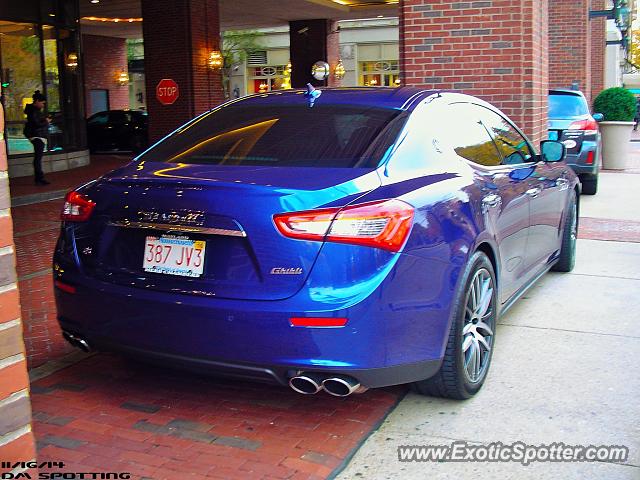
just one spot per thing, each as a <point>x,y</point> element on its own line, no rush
<point>635,48</point>
<point>237,45</point>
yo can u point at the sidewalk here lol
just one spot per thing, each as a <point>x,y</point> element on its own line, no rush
<point>561,372</point>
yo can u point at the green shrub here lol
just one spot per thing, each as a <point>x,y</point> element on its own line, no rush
<point>617,104</point>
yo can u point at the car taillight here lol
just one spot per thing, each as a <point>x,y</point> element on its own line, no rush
<point>382,224</point>
<point>589,126</point>
<point>77,208</point>
<point>589,160</point>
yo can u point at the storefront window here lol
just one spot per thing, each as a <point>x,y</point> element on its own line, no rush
<point>268,78</point>
<point>383,73</point>
<point>20,55</point>
<point>35,57</point>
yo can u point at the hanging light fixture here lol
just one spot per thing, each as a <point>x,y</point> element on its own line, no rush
<point>72,61</point>
<point>122,78</point>
<point>339,72</point>
<point>215,60</point>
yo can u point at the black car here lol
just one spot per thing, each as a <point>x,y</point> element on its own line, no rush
<point>571,123</point>
<point>118,130</point>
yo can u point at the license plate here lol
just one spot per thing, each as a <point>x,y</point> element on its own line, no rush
<point>174,255</point>
<point>553,135</point>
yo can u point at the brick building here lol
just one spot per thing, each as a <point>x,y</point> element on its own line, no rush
<point>508,52</point>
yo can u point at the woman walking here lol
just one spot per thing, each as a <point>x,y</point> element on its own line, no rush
<point>36,130</point>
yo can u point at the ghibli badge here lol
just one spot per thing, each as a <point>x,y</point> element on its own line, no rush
<point>286,271</point>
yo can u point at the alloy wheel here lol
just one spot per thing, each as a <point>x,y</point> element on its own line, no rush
<point>477,332</point>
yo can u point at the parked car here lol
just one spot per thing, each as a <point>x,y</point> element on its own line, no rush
<point>355,239</point>
<point>118,130</point>
<point>571,123</point>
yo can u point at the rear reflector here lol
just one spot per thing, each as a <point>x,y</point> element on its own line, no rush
<point>382,224</point>
<point>590,158</point>
<point>65,287</point>
<point>77,208</point>
<point>317,322</point>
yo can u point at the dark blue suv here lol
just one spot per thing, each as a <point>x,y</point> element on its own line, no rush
<point>571,123</point>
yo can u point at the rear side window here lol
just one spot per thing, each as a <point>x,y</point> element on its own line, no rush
<point>566,105</point>
<point>280,136</point>
<point>99,119</point>
<point>460,128</point>
<point>513,147</point>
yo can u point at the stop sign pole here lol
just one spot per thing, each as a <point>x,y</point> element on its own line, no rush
<point>167,91</point>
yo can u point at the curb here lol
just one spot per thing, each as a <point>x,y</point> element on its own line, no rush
<point>37,198</point>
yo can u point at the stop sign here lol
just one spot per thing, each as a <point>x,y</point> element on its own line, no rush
<point>167,91</point>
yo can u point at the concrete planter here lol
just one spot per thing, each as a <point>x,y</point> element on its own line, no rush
<point>615,144</point>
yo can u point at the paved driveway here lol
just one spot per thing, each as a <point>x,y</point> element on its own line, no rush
<point>565,366</point>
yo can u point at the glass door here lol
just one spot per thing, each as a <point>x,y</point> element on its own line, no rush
<point>21,57</point>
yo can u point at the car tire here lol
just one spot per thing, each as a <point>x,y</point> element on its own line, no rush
<point>589,184</point>
<point>457,377</point>
<point>567,259</point>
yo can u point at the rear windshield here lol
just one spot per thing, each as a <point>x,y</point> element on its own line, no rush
<point>566,105</point>
<point>283,136</point>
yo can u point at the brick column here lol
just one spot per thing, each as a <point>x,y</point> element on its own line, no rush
<point>16,439</point>
<point>333,52</point>
<point>495,49</point>
<point>598,47</point>
<point>570,44</point>
<point>104,58</point>
<point>178,37</point>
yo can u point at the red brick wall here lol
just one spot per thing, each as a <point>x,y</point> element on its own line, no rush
<point>333,51</point>
<point>495,49</point>
<point>178,37</point>
<point>598,47</point>
<point>16,439</point>
<point>570,44</point>
<point>103,58</point>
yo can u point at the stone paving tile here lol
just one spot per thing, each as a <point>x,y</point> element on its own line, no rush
<point>183,426</point>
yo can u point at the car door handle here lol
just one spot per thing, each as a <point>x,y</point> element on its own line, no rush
<point>563,183</point>
<point>534,192</point>
<point>490,201</point>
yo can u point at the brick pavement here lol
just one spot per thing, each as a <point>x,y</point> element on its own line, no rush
<point>109,414</point>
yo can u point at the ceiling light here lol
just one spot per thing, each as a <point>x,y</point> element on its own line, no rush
<point>95,1</point>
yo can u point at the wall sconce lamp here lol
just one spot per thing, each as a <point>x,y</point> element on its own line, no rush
<point>215,60</point>
<point>339,71</point>
<point>122,78</point>
<point>72,61</point>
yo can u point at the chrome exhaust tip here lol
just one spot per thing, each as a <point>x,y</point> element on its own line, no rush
<point>306,383</point>
<point>76,341</point>
<point>342,386</point>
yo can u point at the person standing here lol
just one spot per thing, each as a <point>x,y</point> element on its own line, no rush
<point>36,130</point>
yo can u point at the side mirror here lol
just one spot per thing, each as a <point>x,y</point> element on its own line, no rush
<point>552,151</point>
<point>598,117</point>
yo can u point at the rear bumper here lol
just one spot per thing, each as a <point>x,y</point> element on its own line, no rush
<point>389,338</point>
<point>578,161</point>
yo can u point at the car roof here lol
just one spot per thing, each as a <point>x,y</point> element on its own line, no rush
<point>400,98</point>
<point>566,91</point>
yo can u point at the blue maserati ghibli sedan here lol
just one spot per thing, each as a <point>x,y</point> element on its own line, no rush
<point>332,240</point>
